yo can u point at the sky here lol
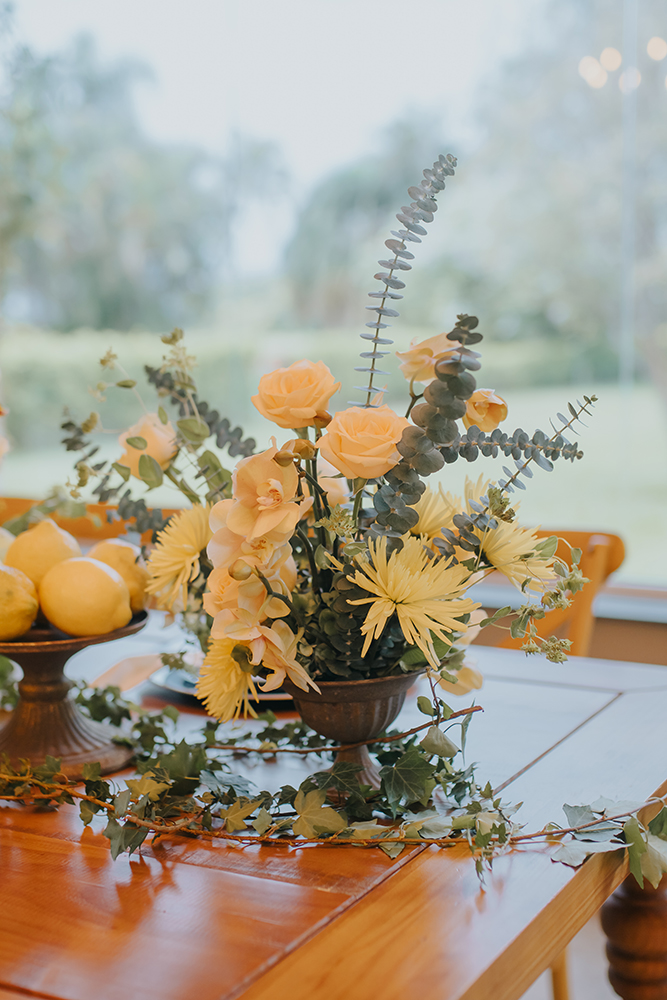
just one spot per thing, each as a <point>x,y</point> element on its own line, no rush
<point>320,78</point>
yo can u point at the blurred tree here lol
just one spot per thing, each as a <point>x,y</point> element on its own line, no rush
<point>101,226</point>
<point>533,236</point>
<point>542,194</point>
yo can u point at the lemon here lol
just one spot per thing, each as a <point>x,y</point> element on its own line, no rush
<point>84,596</point>
<point>39,548</point>
<point>6,539</point>
<point>126,559</point>
<point>18,602</point>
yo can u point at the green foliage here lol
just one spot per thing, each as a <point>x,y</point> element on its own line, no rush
<point>406,780</point>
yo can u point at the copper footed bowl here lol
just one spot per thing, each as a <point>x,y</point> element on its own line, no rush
<point>45,720</point>
<point>353,711</point>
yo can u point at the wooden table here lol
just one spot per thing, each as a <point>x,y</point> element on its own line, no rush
<point>191,919</point>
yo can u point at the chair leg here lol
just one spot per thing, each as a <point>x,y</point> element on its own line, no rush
<point>559,984</point>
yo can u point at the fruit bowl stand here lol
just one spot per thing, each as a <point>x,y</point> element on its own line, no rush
<point>46,721</point>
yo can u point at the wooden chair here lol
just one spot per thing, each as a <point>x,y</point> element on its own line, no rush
<point>601,554</point>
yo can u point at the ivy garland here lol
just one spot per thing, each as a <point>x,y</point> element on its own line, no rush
<point>190,789</point>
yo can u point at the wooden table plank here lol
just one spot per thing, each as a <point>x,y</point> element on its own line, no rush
<point>75,924</point>
<point>433,932</point>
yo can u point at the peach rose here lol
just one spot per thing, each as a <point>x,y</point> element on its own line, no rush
<point>263,494</point>
<point>291,397</point>
<point>361,442</point>
<point>485,410</point>
<point>419,362</point>
<point>160,443</point>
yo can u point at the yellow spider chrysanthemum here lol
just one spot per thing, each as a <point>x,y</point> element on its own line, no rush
<point>436,511</point>
<point>423,593</point>
<point>224,687</point>
<point>511,550</point>
<point>174,562</point>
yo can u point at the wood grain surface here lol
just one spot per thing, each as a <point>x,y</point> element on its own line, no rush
<point>194,919</point>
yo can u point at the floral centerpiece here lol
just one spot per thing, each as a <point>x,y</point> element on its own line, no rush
<point>324,560</point>
<point>327,556</point>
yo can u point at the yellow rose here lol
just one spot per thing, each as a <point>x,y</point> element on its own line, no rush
<point>294,396</point>
<point>419,362</point>
<point>361,442</point>
<point>160,443</point>
<point>485,410</point>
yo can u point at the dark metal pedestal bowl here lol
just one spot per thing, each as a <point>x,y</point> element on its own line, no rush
<point>352,711</point>
<point>45,720</point>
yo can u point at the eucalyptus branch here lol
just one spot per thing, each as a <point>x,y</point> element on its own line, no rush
<point>183,487</point>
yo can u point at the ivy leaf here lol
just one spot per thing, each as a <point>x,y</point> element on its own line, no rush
<point>577,815</point>
<point>425,706</point>
<point>147,785</point>
<point>193,429</point>
<point>314,818</point>
<point>342,776</point>
<point>392,850</point>
<point>406,779</point>
<point>636,847</point>
<point>605,831</point>
<point>237,814</point>
<point>413,657</point>
<point>91,771</point>
<point>162,414</point>
<point>86,811</point>
<point>654,862</point>
<point>113,831</point>
<point>366,830</point>
<point>465,725</point>
<point>436,742</point>
<point>48,769</point>
<point>137,442</point>
<point>438,826</point>
<point>576,852</point>
<point>150,472</point>
<point>658,825</point>
<point>262,821</point>
<point>121,802</point>
<point>183,765</point>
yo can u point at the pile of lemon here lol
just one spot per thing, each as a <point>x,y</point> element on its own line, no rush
<point>43,568</point>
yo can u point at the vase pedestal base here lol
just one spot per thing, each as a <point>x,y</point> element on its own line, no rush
<point>46,721</point>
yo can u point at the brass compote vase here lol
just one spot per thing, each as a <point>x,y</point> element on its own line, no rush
<point>353,711</point>
<point>46,720</point>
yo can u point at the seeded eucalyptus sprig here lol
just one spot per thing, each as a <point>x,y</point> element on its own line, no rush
<point>421,210</point>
